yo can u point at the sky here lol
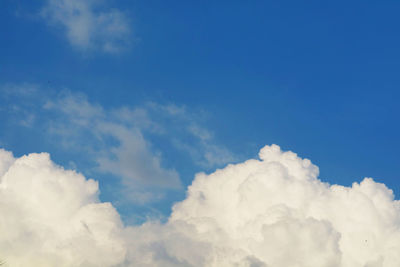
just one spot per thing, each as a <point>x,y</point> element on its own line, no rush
<point>138,112</point>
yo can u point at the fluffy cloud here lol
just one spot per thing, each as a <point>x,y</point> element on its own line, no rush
<point>274,212</point>
<point>88,24</point>
<point>52,217</point>
<point>269,212</point>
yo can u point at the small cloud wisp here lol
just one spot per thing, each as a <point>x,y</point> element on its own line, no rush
<point>89,24</point>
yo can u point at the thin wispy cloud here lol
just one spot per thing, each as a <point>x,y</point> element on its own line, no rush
<point>89,24</point>
<point>120,141</point>
<point>21,89</point>
<point>117,146</point>
<point>20,112</point>
<point>187,134</point>
<point>133,156</point>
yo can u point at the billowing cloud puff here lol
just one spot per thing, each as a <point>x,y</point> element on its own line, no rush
<point>274,212</point>
<point>270,212</point>
<point>52,217</point>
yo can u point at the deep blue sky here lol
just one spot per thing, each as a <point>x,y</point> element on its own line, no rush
<point>319,78</point>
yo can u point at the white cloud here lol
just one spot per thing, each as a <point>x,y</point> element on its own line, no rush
<point>274,212</point>
<point>52,217</point>
<point>89,24</point>
<point>270,212</point>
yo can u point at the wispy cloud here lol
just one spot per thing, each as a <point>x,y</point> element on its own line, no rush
<point>89,24</point>
<point>21,90</point>
<point>182,127</point>
<point>116,145</point>
<point>187,133</point>
<point>124,141</point>
<point>18,97</point>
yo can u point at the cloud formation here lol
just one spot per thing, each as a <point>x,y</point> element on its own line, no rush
<point>89,24</point>
<point>52,217</point>
<point>138,145</point>
<point>272,211</point>
<point>116,145</point>
<point>119,142</point>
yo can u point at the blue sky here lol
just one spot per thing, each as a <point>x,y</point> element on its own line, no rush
<point>201,84</point>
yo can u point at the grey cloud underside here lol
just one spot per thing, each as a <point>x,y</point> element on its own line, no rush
<point>269,212</point>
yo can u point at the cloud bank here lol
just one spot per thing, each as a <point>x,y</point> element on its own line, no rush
<point>89,24</point>
<point>272,211</point>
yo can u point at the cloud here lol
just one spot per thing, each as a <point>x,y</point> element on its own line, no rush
<point>81,125</point>
<point>24,92</point>
<point>118,147</point>
<point>272,211</point>
<point>89,24</point>
<point>133,160</point>
<point>138,144</point>
<point>189,135</point>
<point>23,89</point>
<point>52,217</point>
<point>120,140</point>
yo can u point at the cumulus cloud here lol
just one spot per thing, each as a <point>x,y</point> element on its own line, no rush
<point>89,24</point>
<point>272,211</point>
<point>52,217</point>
